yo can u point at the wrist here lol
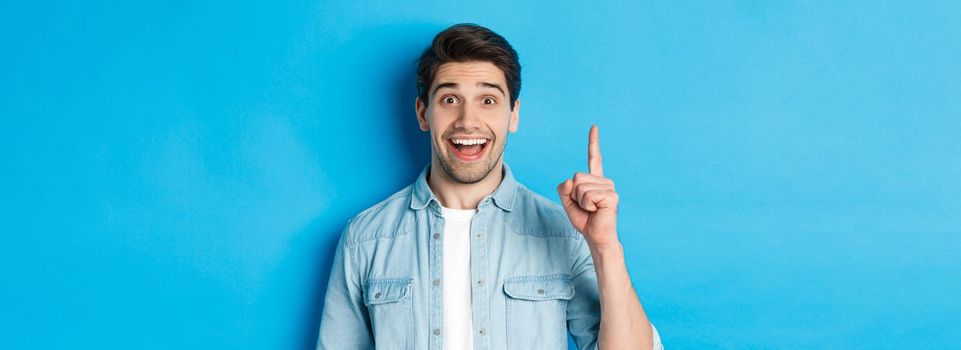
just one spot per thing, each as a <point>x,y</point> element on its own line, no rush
<point>606,249</point>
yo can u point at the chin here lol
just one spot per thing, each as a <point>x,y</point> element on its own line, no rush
<point>468,173</point>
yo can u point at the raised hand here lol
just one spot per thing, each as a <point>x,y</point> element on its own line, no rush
<point>590,199</point>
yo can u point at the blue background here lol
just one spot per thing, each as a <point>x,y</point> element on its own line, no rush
<point>175,174</point>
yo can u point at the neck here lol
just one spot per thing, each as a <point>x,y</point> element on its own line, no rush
<point>455,195</point>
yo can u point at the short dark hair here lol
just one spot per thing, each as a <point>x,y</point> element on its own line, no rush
<point>467,42</point>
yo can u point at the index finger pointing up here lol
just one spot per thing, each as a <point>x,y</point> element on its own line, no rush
<point>594,153</point>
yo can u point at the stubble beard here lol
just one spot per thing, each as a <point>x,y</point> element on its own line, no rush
<point>464,173</point>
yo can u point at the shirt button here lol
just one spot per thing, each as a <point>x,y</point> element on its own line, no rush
<point>437,236</point>
<point>480,282</point>
<point>436,282</point>
<point>483,331</point>
<point>479,236</point>
<point>377,296</point>
<point>437,331</point>
<point>540,291</point>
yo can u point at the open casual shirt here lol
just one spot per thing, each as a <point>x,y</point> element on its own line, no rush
<point>532,277</point>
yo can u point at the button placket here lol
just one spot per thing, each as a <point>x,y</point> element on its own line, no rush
<point>435,314</point>
<point>480,305</point>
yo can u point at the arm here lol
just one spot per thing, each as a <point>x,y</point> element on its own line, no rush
<point>345,323</point>
<point>591,205</point>
<point>594,315</point>
<point>624,323</point>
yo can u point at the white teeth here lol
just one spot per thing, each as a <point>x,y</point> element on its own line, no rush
<point>469,141</point>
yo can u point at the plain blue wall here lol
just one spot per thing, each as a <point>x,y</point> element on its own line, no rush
<point>175,175</point>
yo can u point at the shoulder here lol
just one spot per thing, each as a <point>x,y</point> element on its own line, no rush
<point>536,215</point>
<point>386,219</point>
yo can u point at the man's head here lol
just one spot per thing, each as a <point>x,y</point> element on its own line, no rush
<point>468,82</point>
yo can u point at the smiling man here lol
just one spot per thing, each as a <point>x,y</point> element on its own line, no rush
<point>468,258</point>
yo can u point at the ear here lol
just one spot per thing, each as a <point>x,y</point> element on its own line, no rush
<point>515,116</point>
<point>421,110</point>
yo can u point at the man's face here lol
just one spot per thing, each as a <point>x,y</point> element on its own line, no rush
<point>468,115</point>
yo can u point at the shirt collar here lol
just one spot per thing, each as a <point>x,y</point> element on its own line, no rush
<point>503,197</point>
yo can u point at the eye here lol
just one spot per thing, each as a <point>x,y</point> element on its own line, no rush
<point>488,101</point>
<point>449,99</point>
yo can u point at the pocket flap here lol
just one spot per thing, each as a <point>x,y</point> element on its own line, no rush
<point>386,290</point>
<point>544,287</point>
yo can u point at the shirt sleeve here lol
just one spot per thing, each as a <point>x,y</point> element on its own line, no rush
<point>584,309</point>
<point>345,323</point>
<point>657,339</point>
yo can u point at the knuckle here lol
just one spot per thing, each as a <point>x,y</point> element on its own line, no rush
<point>590,195</point>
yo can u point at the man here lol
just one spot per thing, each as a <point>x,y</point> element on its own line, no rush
<point>468,258</point>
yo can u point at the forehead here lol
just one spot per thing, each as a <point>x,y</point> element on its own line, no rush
<point>468,73</point>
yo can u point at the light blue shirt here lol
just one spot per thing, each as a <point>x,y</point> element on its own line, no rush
<point>532,276</point>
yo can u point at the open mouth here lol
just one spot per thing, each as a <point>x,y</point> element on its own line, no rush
<point>468,149</point>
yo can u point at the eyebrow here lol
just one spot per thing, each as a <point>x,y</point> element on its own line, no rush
<point>482,84</point>
<point>492,85</point>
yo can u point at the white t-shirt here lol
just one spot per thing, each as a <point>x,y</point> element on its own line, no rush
<point>458,317</point>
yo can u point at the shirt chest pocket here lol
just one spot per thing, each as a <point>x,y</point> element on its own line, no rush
<point>389,303</point>
<point>537,311</point>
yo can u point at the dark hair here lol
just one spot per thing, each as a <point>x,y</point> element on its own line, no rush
<point>467,42</point>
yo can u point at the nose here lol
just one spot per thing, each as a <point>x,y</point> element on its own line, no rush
<point>467,118</point>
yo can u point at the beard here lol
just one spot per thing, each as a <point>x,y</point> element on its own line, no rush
<point>468,173</point>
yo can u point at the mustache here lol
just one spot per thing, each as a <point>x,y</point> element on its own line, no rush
<point>461,132</point>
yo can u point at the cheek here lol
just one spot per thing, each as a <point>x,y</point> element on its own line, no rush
<point>438,127</point>
<point>437,120</point>
<point>503,125</point>
<point>442,116</point>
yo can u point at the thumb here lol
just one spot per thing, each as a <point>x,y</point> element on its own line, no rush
<point>564,191</point>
